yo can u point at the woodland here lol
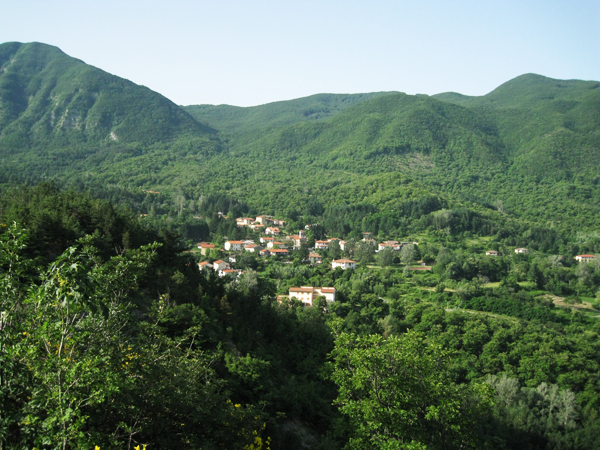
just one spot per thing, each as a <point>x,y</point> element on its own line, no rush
<point>110,336</point>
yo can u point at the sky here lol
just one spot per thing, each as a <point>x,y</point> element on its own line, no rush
<point>247,53</point>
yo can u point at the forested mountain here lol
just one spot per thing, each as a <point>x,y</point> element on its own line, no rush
<point>235,119</point>
<point>49,99</point>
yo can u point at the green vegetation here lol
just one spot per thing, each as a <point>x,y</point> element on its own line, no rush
<point>110,336</point>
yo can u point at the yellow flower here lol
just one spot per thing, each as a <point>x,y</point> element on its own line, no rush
<point>96,448</point>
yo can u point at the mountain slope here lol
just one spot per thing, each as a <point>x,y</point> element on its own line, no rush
<point>236,119</point>
<point>48,99</point>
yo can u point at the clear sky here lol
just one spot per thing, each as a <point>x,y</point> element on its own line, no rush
<point>253,52</point>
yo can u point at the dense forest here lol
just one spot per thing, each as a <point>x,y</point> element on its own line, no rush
<point>111,336</point>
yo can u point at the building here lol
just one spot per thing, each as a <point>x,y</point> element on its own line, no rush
<point>265,253</point>
<point>308,294</point>
<point>204,265</point>
<point>253,248</point>
<point>315,258</point>
<point>220,265</point>
<point>322,244</point>
<point>491,253</point>
<point>278,252</point>
<point>344,264</point>
<point>274,231</point>
<point>298,240</point>
<point>521,250</point>
<point>266,240</point>
<point>585,258</point>
<point>205,247</point>
<point>234,246</point>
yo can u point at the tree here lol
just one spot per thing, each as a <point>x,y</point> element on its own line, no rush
<point>397,393</point>
<point>407,254</point>
<point>385,257</point>
<point>334,249</point>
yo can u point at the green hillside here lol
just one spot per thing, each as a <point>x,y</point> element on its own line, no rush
<point>48,99</point>
<point>235,119</point>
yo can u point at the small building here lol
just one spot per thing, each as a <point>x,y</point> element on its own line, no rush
<point>298,240</point>
<point>308,294</point>
<point>273,231</point>
<point>266,240</point>
<point>585,258</point>
<point>205,247</point>
<point>343,263</point>
<point>220,265</point>
<point>234,246</point>
<point>491,253</point>
<point>204,265</point>
<point>322,244</point>
<point>521,250</point>
<point>279,252</point>
<point>265,253</point>
<point>315,258</point>
<point>233,272</point>
<point>253,248</point>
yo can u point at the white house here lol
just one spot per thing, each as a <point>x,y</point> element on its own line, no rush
<point>266,240</point>
<point>521,250</point>
<point>491,253</point>
<point>253,248</point>
<point>343,263</point>
<point>220,265</point>
<point>234,245</point>
<point>274,231</point>
<point>322,244</point>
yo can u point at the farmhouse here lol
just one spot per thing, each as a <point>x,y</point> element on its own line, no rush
<point>491,253</point>
<point>521,250</point>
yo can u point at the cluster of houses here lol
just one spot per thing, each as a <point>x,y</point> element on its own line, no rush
<point>273,244</point>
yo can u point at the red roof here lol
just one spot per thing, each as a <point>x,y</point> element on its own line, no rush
<point>236,242</point>
<point>344,261</point>
<point>586,256</point>
<point>219,261</point>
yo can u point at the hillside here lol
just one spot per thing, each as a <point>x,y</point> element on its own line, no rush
<point>49,99</point>
<point>530,140</point>
<point>236,119</point>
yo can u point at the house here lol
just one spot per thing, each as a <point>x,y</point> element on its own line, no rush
<point>234,246</point>
<point>585,258</point>
<point>244,221</point>
<point>256,227</point>
<point>308,294</point>
<point>265,253</point>
<point>279,252</point>
<point>491,253</point>
<point>253,248</point>
<point>274,231</point>
<point>521,250</point>
<point>315,258</point>
<point>266,240</point>
<point>322,244</point>
<point>264,220</point>
<point>220,265</point>
<point>277,244</point>
<point>233,272</point>
<point>279,223</point>
<point>204,265</point>
<point>205,247</point>
<point>298,240</point>
<point>343,263</point>
<point>343,245</point>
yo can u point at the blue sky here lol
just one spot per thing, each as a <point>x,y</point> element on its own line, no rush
<point>253,52</point>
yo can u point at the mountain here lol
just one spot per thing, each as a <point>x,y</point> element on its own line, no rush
<point>236,119</point>
<point>49,99</point>
<point>550,127</point>
<point>532,145</point>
